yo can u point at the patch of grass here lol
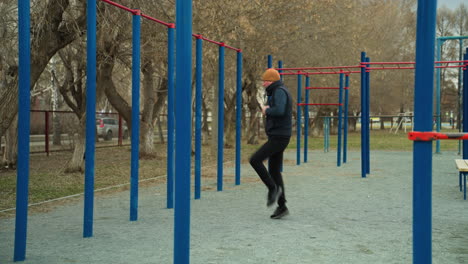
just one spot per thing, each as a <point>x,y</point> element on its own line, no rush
<point>379,140</point>
<point>48,180</point>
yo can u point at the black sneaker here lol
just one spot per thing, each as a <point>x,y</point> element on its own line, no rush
<point>273,195</point>
<point>280,212</point>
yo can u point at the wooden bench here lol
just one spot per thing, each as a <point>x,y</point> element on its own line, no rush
<point>462,166</point>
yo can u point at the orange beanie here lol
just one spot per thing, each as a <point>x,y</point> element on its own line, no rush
<point>271,75</point>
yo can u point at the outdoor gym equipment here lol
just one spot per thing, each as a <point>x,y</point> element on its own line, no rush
<point>422,152</point>
<point>183,118</point>
<point>344,72</point>
<point>440,42</point>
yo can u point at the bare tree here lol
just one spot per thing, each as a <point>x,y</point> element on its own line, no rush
<point>55,24</point>
<point>73,92</point>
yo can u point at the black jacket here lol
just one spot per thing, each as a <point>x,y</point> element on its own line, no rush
<point>279,114</point>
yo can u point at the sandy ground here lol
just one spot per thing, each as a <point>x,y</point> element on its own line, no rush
<point>336,217</point>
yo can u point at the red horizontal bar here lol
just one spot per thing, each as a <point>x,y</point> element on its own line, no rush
<point>317,73</point>
<point>428,136</point>
<point>438,62</point>
<point>408,62</point>
<point>169,25</point>
<point>318,68</point>
<point>292,73</point>
<point>321,88</point>
<point>410,68</point>
<point>119,6</point>
<point>389,68</point>
<point>229,47</point>
<point>317,104</point>
<point>450,66</point>
<point>212,41</point>
<point>383,63</point>
<point>138,12</point>
<point>216,42</point>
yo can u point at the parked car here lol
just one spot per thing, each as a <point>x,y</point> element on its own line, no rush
<point>108,128</point>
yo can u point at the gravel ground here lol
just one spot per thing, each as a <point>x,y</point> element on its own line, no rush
<point>336,217</point>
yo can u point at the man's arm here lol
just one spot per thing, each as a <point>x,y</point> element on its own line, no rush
<point>281,99</point>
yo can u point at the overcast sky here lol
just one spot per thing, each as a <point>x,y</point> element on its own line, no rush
<point>451,3</point>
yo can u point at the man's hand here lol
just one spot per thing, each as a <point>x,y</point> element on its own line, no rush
<point>264,108</point>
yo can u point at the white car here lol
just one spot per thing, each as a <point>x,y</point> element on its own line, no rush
<point>108,128</point>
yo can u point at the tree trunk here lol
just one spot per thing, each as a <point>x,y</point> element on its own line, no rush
<point>11,145</point>
<point>352,123</point>
<point>252,128</point>
<point>104,80</point>
<point>334,123</point>
<point>160,132</point>
<point>147,150</point>
<point>318,121</point>
<point>253,108</point>
<point>8,106</point>
<point>76,164</point>
<point>152,106</point>
<point>402,110</point>
<point>53,33</point>
<point>230,122</point>
<point>205,122</point>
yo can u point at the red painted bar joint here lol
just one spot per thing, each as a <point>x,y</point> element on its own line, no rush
<point>428,136</point>
<point>171,25</point>
<point>136,12</point>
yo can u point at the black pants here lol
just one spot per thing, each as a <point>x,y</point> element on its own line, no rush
<point>273,150</point>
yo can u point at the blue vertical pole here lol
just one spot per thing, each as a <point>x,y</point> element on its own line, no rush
<point>367,99</point>
<point>298,120</point>
<point>238,116</point>
<point>198,116</point>
<point>306,119</point>
<point>363,110</point>
<point>345,137</point>
<point>135,115</point>
<point>340,118</point>
<point>270,65</point>
<point>24,105</point>
<point>183,132</point>
<point>324,134</point>
<point>90,120</point>
<point>280,65</point>
<point>220,116</point>
<point>170,117</point>
<point>328,133</point>
<point>422,150</point>
<point>465,103</point>
<point>440,42</point>
<point>330,120</point>
<point>460,88</point>
<point>325,119</point>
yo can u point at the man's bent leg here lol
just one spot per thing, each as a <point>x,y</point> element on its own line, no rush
<point>256,160</point>
<point>275,168</point>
